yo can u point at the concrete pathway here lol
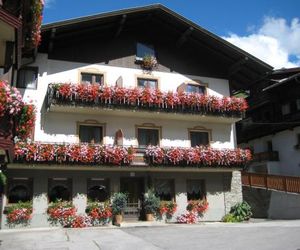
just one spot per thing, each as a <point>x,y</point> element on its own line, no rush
<point>258,235</point>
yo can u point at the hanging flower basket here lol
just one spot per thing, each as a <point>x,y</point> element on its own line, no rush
<point>149,62</point>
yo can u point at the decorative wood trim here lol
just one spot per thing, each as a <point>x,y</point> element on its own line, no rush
<point>91,122</point>
<point>149,126</point>
<point>200,129</point>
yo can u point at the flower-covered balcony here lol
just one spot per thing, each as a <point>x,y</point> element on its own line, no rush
<point>116,158</point>
<point>16,119</point>
<point>152,103</point>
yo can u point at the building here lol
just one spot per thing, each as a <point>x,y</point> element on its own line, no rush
<point>132,78</point>
<point>272,130</point>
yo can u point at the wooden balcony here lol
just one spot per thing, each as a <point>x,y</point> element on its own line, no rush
<point>266,156</point>
<point>289,184</point>
<point>98,103</point>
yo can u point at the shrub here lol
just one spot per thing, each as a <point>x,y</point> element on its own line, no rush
<point>229,218</point>
<point>119,202</point>
<point>151,202</point>
<point>241,211</point>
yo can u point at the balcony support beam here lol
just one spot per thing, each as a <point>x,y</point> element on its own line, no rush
<point>121,26</point>
<point>184,37</point>
<point>234,68</point>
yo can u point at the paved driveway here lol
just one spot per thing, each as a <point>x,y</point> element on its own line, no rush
<point>263,235</point>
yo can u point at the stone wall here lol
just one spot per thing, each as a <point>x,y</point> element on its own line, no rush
<point>232,185</point>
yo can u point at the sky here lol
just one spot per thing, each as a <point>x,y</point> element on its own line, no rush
<point>268,29</point>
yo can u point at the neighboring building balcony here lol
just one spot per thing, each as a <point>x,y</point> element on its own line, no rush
<point>117,158</point>
<point>143,102</point>
<point>266,156</point>
<point>6,138</point>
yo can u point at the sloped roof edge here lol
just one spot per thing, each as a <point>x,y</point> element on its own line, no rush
<point>198,28</point>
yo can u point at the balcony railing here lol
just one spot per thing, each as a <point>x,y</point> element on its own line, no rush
<point>266,156</point>
<point>97,155</point>
<point>273,182</point>
<point>95,95</point>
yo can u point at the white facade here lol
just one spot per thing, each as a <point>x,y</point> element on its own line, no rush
<point>61,127</point>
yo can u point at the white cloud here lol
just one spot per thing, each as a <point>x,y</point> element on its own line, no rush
<point>274,42</point>
<point>49,3</point>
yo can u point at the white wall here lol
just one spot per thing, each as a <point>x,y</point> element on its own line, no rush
<point>284,142</point>
<point>60,127</point>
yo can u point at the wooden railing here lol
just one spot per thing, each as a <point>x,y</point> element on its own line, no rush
<point>288,184</point>
<point>266,156</point>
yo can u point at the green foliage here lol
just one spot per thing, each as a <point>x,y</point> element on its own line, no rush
<point>119,202</point>
<point>60,204</point>
<point>151,202</point>
<point>229,218</point>
<point>2,179</point>
<point>20,205</point>
<point>241,211</point>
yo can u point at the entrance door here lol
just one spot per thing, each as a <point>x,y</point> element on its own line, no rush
<point>134,187</point>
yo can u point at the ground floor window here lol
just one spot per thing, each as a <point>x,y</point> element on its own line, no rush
<point>19,189</point>
<point>196,190</point>
<point>59,189</point>
<point>98,189</point>
<point>164,189</point>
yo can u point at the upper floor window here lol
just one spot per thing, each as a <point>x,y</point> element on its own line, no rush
<point>27,77</point>
<point>143,50</point>
<point>90,133</point>
<point>199,138</point>
<point>193,88</point>
<point>148,136</point>
<point>147,83</point>
<point>286,109</point>
<point>91,78</point>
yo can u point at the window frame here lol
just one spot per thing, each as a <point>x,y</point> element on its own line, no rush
<point>90,182</point>
<point>69,185</point>
<point>200,129</point>
<point>92,123</point>
<point>203,185</point>
<point>32,68</point>
<point>148,126</point>
<point>11,184</point>
<point>147,77</point>
<point>92,71</point>
<point>139,59</point>
<point>195,82</point>
<point>173,194</point>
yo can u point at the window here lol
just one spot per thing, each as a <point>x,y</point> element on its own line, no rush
<point>148,136</point>
<point>193,88</point>
<point>59,189</point>
<point>91,133</point>
<point>164,189</point>
<point>147,83</point>
<point>269,146</point>
<point>286,109</point>
<point>199,138</point>
<point>27,78</point>
<point>144,50</point>
<point>19,189</point>
<point>91,78</point>
<point>98,189</point>
<point>298,104</point>
<point>195,190</point>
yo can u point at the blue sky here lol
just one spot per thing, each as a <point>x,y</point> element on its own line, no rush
<point>261,27</point>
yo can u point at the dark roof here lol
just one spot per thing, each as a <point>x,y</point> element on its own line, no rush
<point>295,77</point>
<point>243,67</point>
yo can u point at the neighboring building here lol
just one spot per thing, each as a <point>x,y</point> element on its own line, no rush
<point>19,38</point>
<point>272,130</point>
<point>108,50</point>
